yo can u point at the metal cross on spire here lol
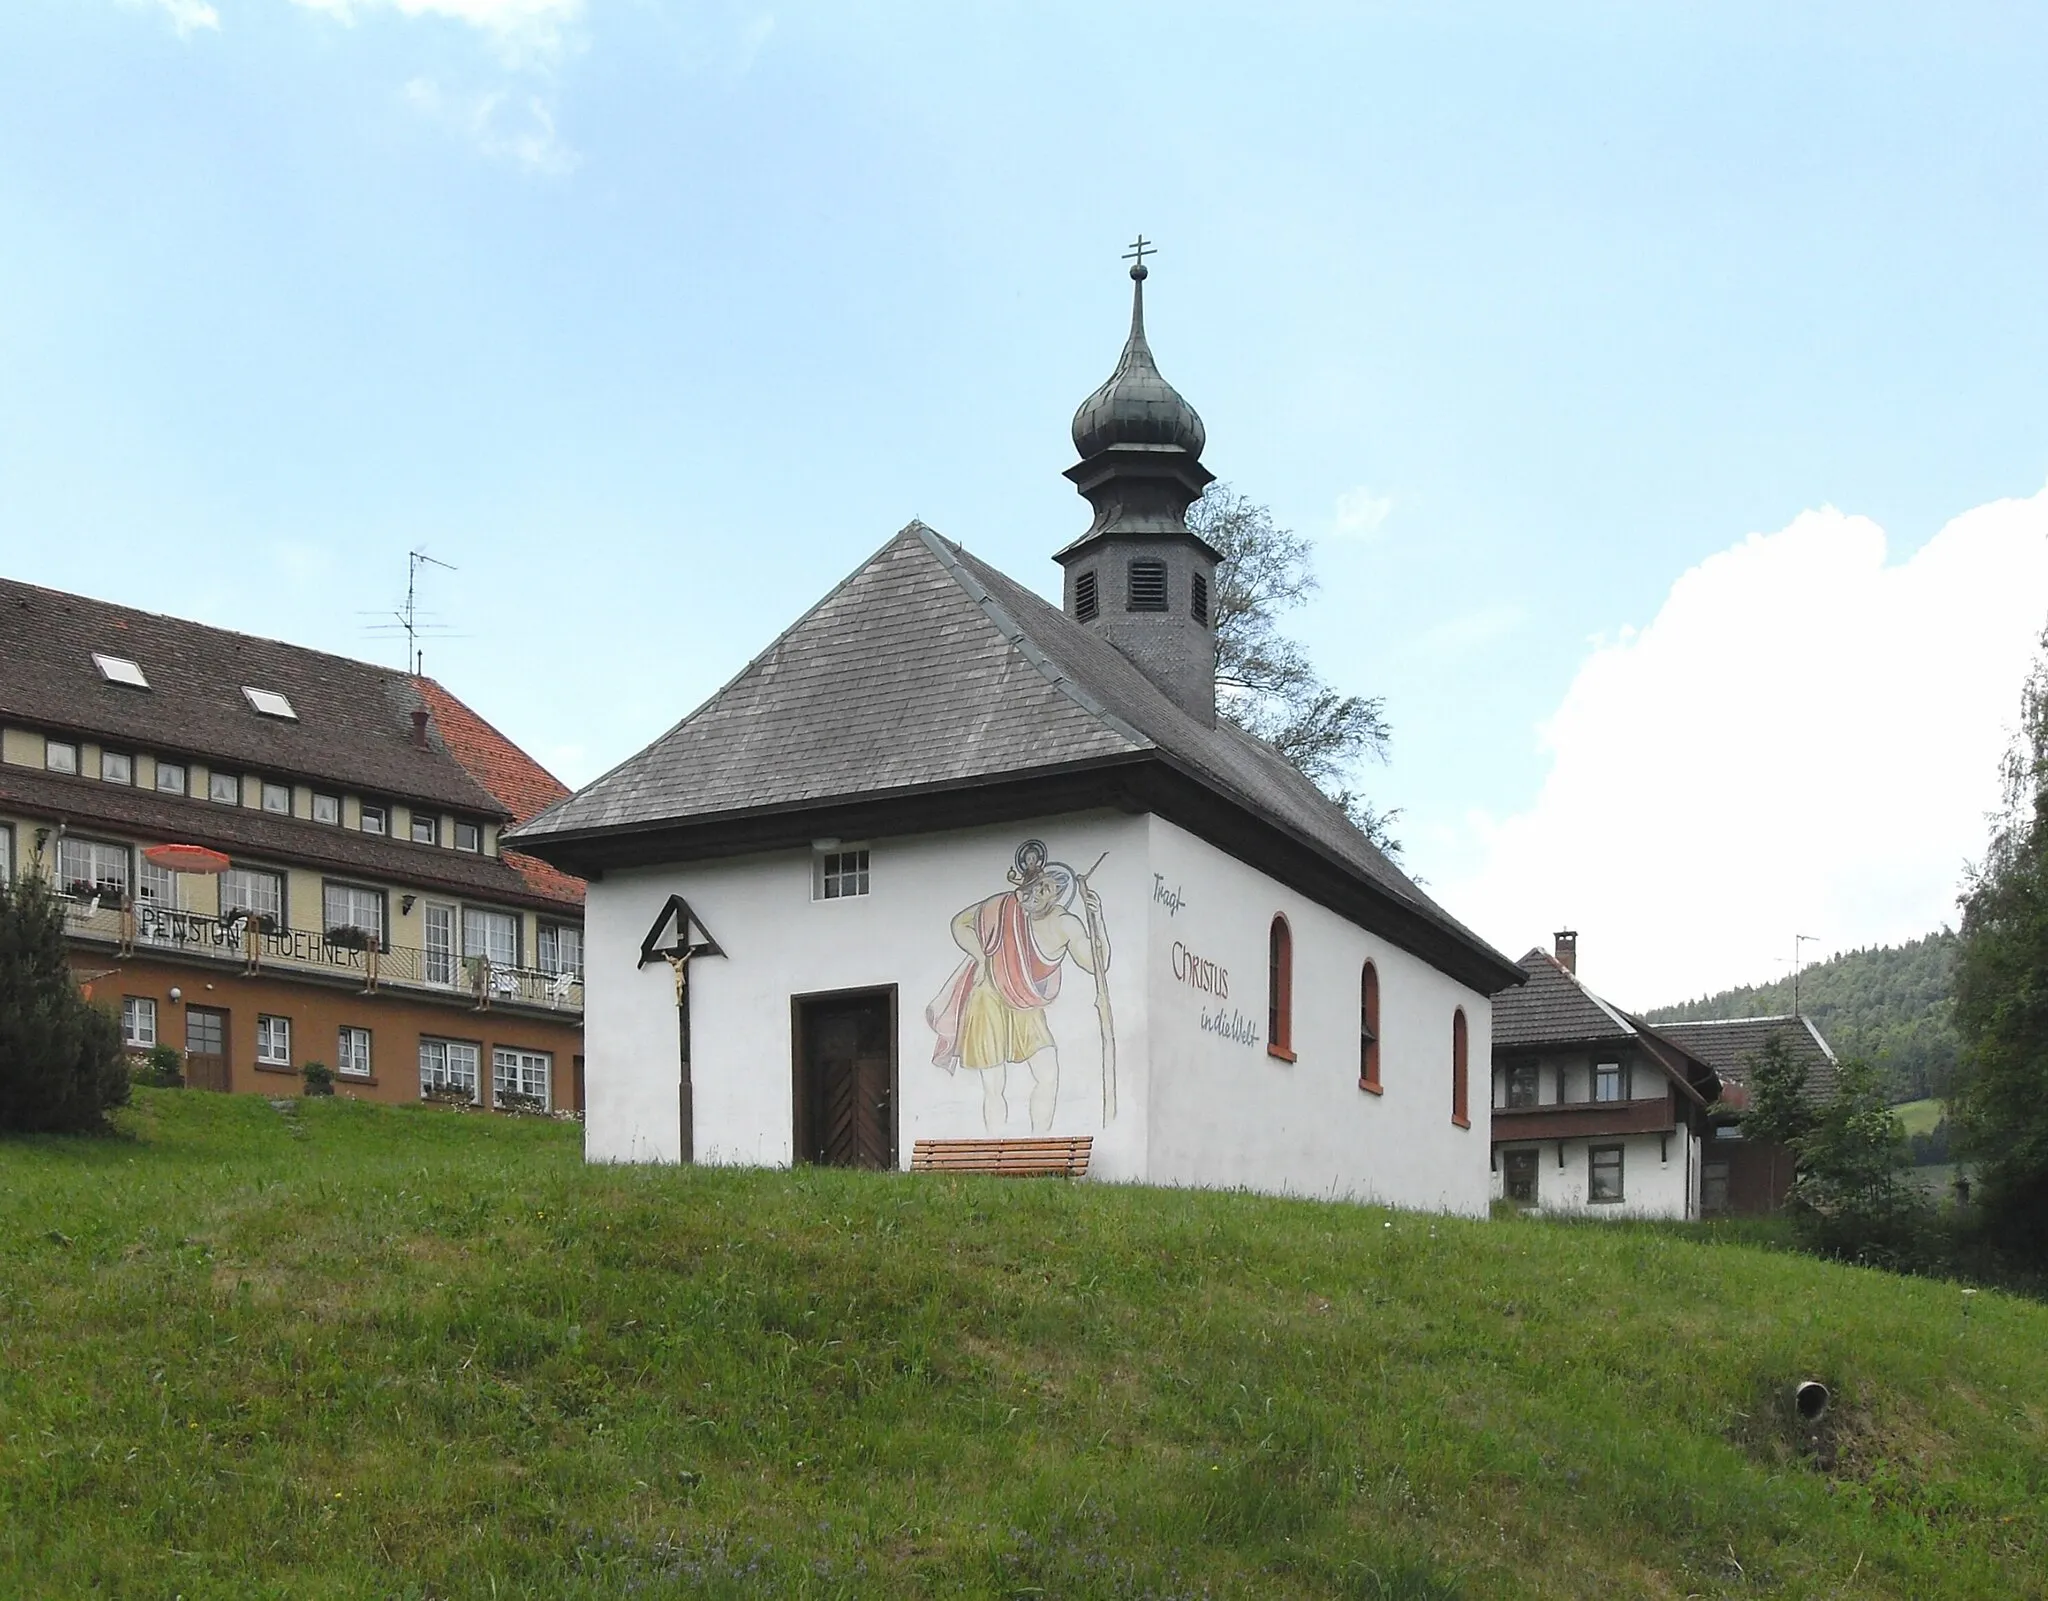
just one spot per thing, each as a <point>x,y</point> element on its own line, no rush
<point>1137,254</point>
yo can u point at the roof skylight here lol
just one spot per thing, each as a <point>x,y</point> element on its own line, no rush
<point>120,670</point>
<point>270,703</point>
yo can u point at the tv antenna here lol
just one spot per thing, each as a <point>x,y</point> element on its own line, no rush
<point>410,620</point>
<point>1797,941</point>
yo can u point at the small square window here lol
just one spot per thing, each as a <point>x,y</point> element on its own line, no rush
<point>117,767</point>
<point>1607,1081</point>
<point>469,837</point>
<point>375,820</point>
<point>138,1021</point>
<point>60,757</point>
<point>120,670</point>
<point>274,1041</point>
<point>225,788</point>
<point>352,1053</point>
<point>1604,1177</point>
<point>277,798</point>
<point>426,829</point>
<point>842,874</point>
<point>326,808</point>
<point>170,778</point>
<point>270,703</point>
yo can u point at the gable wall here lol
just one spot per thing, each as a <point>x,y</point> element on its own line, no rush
<point>1225,1112</point>
<point>780,942</point>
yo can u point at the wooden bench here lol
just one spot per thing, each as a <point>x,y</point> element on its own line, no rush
<point>1017,1159</point>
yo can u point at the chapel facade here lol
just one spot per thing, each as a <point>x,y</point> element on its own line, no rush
<point>949,862</point>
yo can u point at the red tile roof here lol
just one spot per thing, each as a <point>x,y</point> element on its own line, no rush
<point>518,782</point>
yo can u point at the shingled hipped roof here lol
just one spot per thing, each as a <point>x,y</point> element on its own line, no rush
<point>927,671</point>
<point>354,722</point>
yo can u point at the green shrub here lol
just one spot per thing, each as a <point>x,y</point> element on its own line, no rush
<point>162,1068</point>
<point>61,1064</point>
<point>319,1078</point>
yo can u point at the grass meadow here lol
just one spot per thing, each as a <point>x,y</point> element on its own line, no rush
<point>337,1350</point>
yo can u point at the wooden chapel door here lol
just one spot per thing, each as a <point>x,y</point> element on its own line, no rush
<point>846,1070</point>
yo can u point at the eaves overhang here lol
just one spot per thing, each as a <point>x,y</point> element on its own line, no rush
<point>1135,782</point>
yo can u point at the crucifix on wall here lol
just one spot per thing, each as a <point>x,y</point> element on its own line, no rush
<point>691,939</point>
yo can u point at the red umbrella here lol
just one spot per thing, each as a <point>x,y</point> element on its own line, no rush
<point>187,858</point>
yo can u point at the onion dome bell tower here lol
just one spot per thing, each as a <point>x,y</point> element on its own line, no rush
<point>1139,576</point>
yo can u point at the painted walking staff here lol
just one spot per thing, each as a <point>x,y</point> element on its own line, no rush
<point>991,1012</point>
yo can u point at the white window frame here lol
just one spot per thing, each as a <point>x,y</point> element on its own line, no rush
<point>446,1063</point>
<point>217,782</point>
<point>117,767</point>
<point>6,853</point>
<point>164,770</point>
<point>68,763</point>
<point>441,922</point>
<point>469,837</point>
<point>841,873</point>
<point>156,886</point>
<point>548,955</point>
<point>138,1022</point>
<point>100,855</point>
<point>1620,1076</point>
<point>382,814</point>
<point>273,1040</point>
<point>517,1071</point>
<point>281,793</point>
<point>329,801</point>
<point>352,1051</point>
<point>478,925</point>
<point>268,901</point>
<point>356,898</point>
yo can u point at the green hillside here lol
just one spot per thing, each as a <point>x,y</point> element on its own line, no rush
<point>340,1351</point>
<point>1888,1004</point>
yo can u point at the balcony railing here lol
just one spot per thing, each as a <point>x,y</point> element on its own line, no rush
<point>1579,1119</point>
<point>255,945</point>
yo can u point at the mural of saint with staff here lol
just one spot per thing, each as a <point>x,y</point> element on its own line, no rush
<point>991,1012</point>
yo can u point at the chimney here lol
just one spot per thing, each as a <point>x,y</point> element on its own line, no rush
<point>420,718</point>
<point>1567,946</point>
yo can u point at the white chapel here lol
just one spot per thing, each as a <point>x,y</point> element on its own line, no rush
<point>946,862</point>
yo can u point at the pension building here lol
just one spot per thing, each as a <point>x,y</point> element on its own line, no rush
<point>270,856</point>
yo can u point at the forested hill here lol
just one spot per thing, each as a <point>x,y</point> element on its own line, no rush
<point>1888,1005</point>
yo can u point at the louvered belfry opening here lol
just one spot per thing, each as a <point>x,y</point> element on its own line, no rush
<point>1085,602</point>
<point>1147,591</point>
<point>1140,577</point>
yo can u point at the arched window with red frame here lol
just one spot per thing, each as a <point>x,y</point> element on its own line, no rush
<point>1369,1029</point>
<point>1280,991</point>
<point>1461,1084</point>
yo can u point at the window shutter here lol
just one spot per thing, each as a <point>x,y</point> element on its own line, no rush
<point>1148,585</point>
<point>1084,596</point>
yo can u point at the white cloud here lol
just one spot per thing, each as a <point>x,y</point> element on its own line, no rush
<point>519,128</point>
<point>1360,513</point>
<point>1803,741</point>
<point>187,16</point>
<point>523,31</point>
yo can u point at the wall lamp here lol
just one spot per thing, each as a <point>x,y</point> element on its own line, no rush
<point>405,904</point>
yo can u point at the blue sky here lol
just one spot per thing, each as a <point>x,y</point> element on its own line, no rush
<point>656,318</point>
